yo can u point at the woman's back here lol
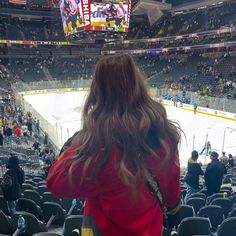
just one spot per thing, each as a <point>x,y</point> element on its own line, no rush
<point>114,208</point>
<point>125,134</point>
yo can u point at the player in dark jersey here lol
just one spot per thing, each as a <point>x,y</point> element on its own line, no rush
<point>72,13</point>
<point>110,12</point>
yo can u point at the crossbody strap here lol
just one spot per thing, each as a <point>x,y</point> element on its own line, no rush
<point>153,185</point>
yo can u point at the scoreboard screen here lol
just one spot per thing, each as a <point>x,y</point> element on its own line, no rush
<point>95,15</point>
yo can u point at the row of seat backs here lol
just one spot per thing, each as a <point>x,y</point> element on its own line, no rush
<point>33,225</point>
<point>193,226</point>
<point>42,213</point>
<point>213,212</point>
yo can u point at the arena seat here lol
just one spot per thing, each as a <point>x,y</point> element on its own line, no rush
<point>32,224</point>
<point>42,189</point>
<point>224,203</point>
<point>30,206</point>
<point>5,224</point>
<point>72,223</point>
<point>27,186</point>
<point>47,234</point>
<point>185,211</point>
<point>3,206</point>
<point>214,213</point>
<point>34,196</point>
<point>31,182</point>
<point>228,227</point>
<point>198,195</point>
<point>214,196</point>
<point>232,213</point>
<point>48,197</point>
<point>194,226</point>
<point>196,203</point>
<point>51,209</point>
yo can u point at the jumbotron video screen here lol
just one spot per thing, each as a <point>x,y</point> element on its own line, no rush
<point>95,15</point>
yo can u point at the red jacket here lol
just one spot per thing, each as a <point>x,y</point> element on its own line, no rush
<point>18,132</point>
<point>116,211</point>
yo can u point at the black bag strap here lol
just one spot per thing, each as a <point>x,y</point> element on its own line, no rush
<point>153,186</point>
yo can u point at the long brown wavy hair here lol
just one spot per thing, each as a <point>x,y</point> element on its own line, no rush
<point>119,113</point>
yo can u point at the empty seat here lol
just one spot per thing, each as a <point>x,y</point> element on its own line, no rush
<point>3,206</point>
<point>226,191</point>
<point>43,182</point>
<point>32,224</point>
<point>204,190</point>
<point>214,213</point>
<point>184,212</point>
<point>198,195</point>
<point>27,186</point>
<point>34,196</point>
<point>194,226</point>
<point>196,203</point>
<point>5,224</point>
<point>229,188</point>
<point>72,223</point>
<point>38,179</point>
<point>232,213</point>
<point>30,206</point>
<point>224,203</point>
<point>42,189</point>
<point>31,182</point>
<point>48,197</point>
<point>53,209</point>
<point>227,179</point>
<point>47,234</point>
<point>214,196</point>
<point>228,227</point>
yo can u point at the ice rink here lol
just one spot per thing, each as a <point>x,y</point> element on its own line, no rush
<point>64,111</point>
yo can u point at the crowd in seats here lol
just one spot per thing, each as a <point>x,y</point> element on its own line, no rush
<point>205,19</point>
<point>169,25</point>
<point>212,74</point>
<point>44,212</point>
<point>17,28</point>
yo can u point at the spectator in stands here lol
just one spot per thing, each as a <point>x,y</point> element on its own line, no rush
<point>37,126</point>
<point>29,126</point>
<point>47,160</point>
<point>17,131</point>
<point>192,176</point>
<point>126,145</point>
<point>207,148</point>
<point>224,159</point>
<point>13,192</point>
<point>1,136</point>
<point>231,161</point>
<point>214,174</point>
<point>36,146</point>
<point>8,133</point>
<point>45,141</point>
<point>24,129</point>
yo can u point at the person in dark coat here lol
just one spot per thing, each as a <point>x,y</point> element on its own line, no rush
<point>18,177</point>
<point>214,174</point>
<point>45,141</point>
<point>1,136</point>
<point>192,176</point>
